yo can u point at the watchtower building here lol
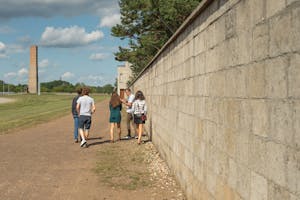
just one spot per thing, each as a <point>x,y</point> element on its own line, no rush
<point>33,70</point>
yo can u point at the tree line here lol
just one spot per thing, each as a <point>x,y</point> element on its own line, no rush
<point>64,86</point>
<point>55,86</point>
<point>147,25</point>
<point>8,88</point>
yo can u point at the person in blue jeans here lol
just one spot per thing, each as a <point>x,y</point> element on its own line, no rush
<point>75,114</point>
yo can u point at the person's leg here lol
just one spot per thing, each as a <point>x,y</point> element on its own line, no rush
<point>140,130</point>
<point>133,127</point>
<point>83,141</point>
<point>112,131</point>
<point>137,128</point>
<point>119,130</point>
<point>81,133</point>
<point>88,123</point>
<point>81,130</point>
<point>86,133</point>
<point>76,129</point>
<point>129,124</point>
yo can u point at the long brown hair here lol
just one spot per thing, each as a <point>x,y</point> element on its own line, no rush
<point>114,100</point>
<point>139,95</point>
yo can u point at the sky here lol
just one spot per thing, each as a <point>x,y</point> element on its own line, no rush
<point>73,38</point>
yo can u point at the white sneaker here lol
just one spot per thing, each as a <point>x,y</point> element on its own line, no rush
<point>83,142</point>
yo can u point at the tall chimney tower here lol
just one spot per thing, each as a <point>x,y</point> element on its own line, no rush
<point>33,70</point>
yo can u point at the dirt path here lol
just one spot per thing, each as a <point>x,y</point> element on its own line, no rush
<point>5,100</point>
<point>42,162</point>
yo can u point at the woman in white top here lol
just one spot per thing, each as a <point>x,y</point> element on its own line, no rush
<point>139,110</point>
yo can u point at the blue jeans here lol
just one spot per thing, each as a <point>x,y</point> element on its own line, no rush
<point>75,127</point>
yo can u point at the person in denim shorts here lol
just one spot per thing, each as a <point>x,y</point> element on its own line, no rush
<point>85,108</point>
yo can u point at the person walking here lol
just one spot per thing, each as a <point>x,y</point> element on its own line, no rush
<point>85,108</point>
<point>139,109</point>
<point>115,107</point>
<point>129,118</point>
<point>75,114</point>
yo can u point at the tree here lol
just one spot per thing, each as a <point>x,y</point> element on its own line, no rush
<point>148,24</point>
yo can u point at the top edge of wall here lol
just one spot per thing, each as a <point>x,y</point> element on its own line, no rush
<point>198,11</point>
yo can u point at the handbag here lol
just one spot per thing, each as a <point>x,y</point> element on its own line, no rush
<point>144,117</point>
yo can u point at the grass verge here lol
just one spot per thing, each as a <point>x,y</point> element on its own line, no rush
<point>122,167</point>
<point>28,110</point>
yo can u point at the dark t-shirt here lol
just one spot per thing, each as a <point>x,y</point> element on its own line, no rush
<point>74,103</point>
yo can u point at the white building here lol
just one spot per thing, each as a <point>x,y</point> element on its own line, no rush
<point>124,74</point>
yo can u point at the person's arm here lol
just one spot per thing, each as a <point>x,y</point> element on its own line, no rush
<point>123,100</point>
<point>78,108</point>
<point>133,107</point>
<point>93,107</point>
<point>73,109</point>
<point>145,109</point>
<point>129,104</point>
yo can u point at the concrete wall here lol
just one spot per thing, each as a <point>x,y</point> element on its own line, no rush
<point>224,100</point>
<point>124,74</point>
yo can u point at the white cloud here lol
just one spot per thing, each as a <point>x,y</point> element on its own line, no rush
<point>2,50</point>
<point>92,79</point>
<point>96,79</point>
<point>22,72</point>
<point>44,63</point>
<point>110,21</point>
<point>10,75</point>
<point>69,37</point>
<point>18,77</point>
<point>98,56</point>
<point>49,8</point>
<point>67,75</point>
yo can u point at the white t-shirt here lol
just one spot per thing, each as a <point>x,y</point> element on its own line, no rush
<point>130,100</point>
<point>86,105</point>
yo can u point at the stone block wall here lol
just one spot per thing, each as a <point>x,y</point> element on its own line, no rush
<point>224,100</point>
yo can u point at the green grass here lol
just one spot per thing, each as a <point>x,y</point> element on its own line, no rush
<point>28,110</point>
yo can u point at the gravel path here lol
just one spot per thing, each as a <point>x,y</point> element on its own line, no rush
<point>42,162</point>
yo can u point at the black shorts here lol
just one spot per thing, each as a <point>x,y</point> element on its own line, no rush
<point>84,122</point>
<point>137,119</point>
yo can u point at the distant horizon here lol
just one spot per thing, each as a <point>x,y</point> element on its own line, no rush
<point>7,83</point>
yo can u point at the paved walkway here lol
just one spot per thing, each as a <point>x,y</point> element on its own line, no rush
<point>42,162</point>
